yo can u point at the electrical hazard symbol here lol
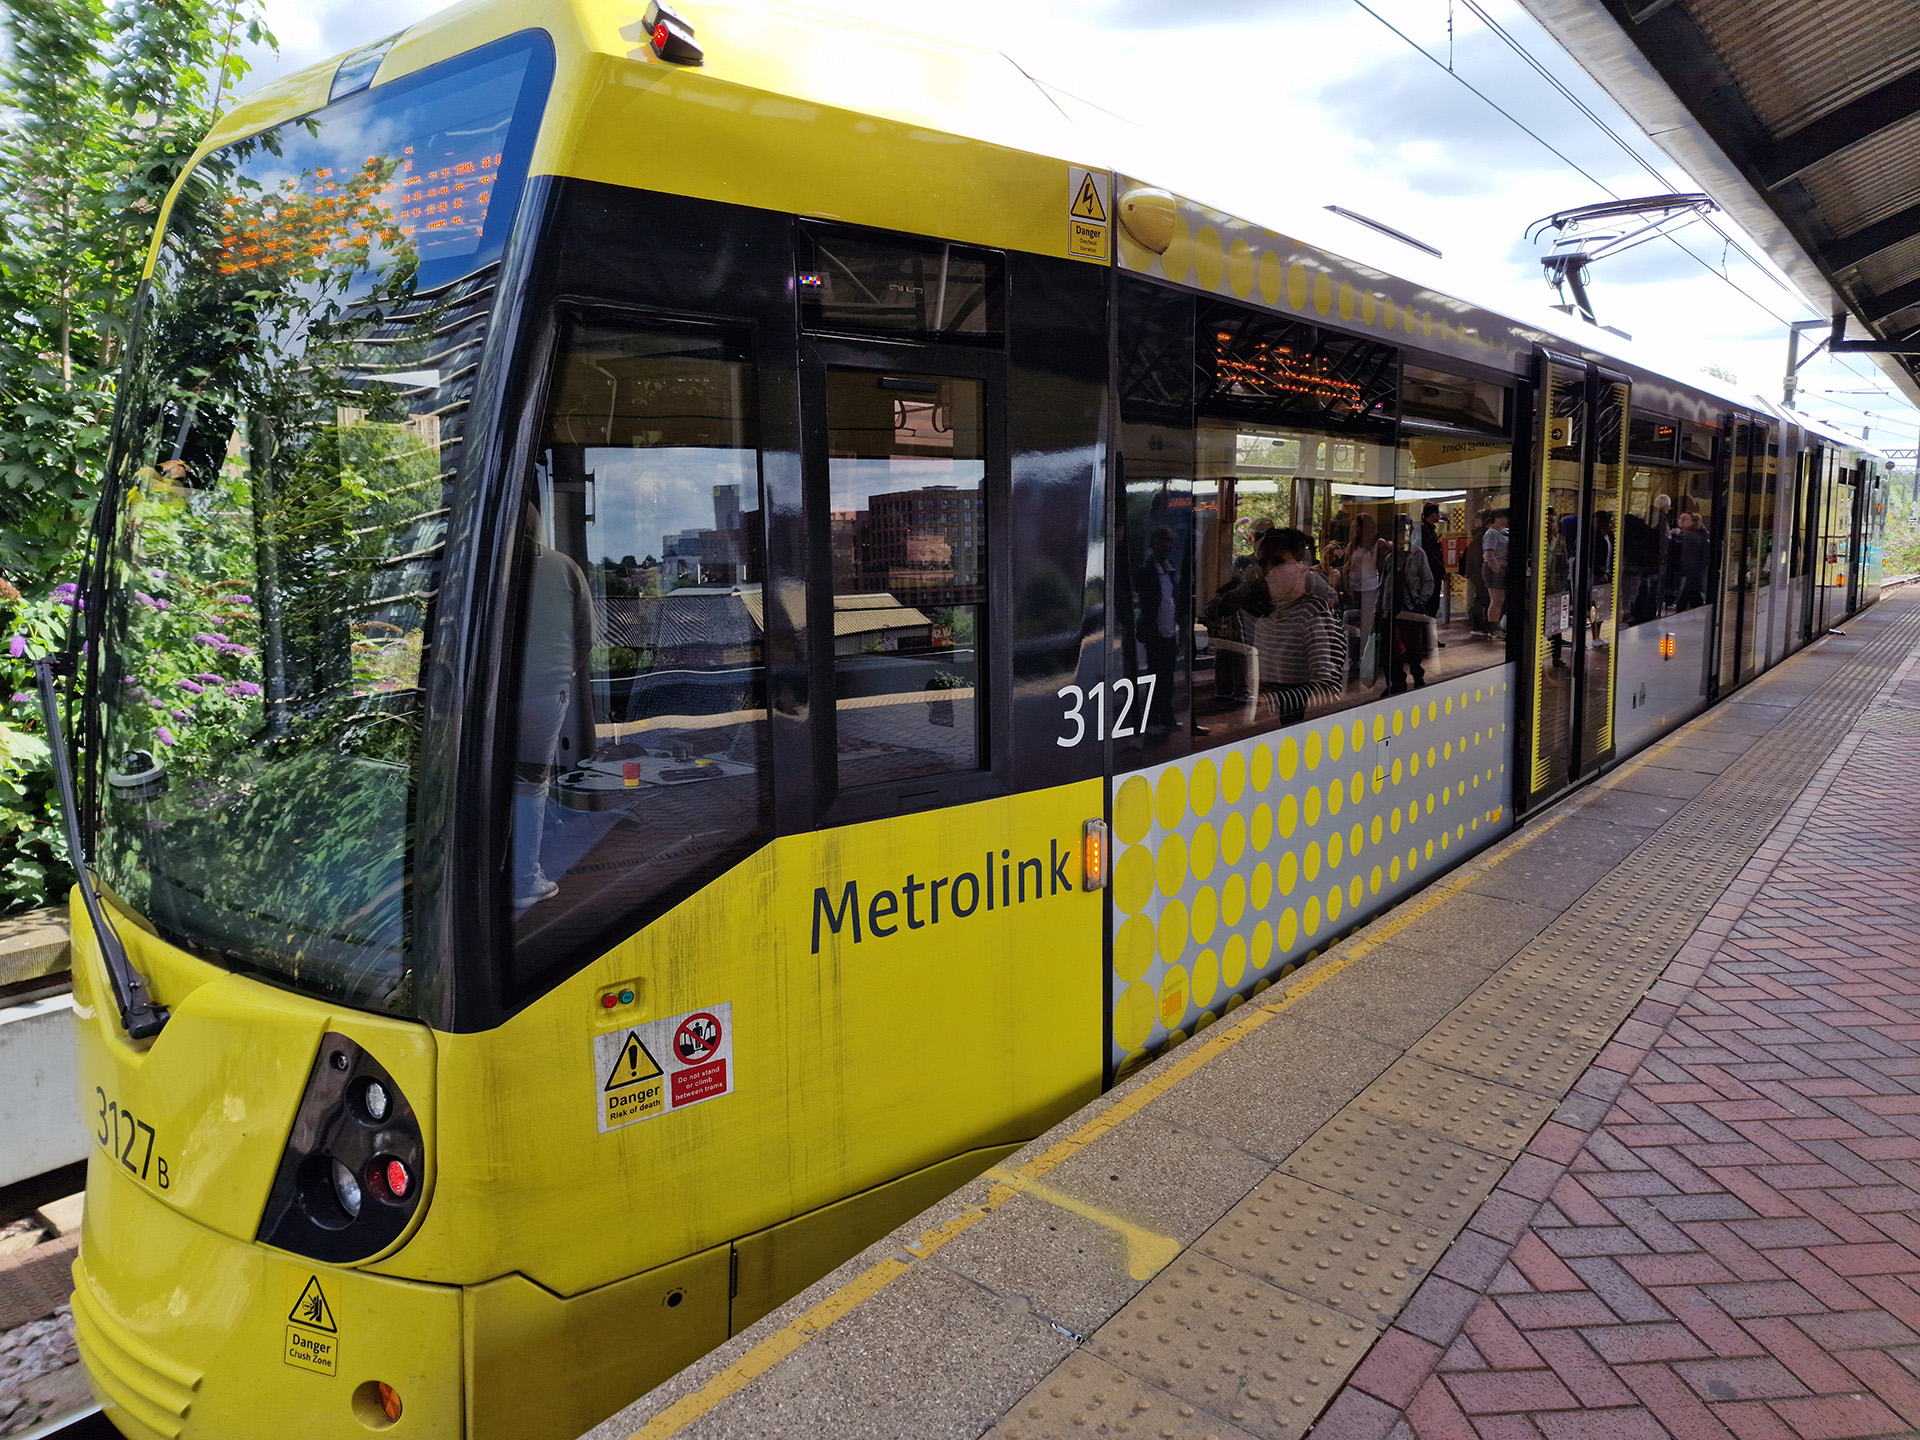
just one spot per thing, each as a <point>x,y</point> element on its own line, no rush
<point>662,1066</point>
<point>1087,203</point>
<point>313,1335</point>
<point>1087,212</point>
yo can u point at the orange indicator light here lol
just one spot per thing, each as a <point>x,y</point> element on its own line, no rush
<point>1093,855</point>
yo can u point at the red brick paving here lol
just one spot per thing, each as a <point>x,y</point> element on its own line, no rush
<point>1718,1238</point>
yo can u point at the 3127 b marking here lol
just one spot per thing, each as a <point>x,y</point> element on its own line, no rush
<point>116,1123</point>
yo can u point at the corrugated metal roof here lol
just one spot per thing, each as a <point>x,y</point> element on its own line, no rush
<point>1869,181</point>
<point>1796,61</point>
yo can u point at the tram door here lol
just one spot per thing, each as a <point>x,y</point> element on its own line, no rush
<point>1746,486</point>
<point>1579,468</point>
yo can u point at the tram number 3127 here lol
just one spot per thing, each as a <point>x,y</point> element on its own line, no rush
<point>1134,697</point>
<point>116,1123</point>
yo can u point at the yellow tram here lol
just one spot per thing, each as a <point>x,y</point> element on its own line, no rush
<point>673,671</point>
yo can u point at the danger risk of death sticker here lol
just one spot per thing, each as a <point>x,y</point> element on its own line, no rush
<point>663,1065</point>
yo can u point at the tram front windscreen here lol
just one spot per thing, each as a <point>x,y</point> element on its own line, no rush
<point>284,467</point>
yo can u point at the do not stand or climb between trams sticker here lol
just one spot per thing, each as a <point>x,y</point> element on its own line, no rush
<point>663,1065</point>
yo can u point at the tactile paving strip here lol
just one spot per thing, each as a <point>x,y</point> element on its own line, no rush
<point>1087,1396</point>
<point>1327,1246</point>
<point>1392,1165</point>
<point>1262,1358</point>
<point>1497,1045</point>
<point>1496,1119</point>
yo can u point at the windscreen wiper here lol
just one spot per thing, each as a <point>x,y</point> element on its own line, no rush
<point>139,1016</point>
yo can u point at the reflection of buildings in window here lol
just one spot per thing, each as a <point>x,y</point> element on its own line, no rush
<point>923,546</point>
<point>879,624</point>
<point>704,557</point>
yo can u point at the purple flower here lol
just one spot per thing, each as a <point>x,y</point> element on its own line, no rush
<point>166,736</point>
<point>163,604</point>
<point>232,649</point>
<point>243,688</point>
<point>239,599</point>
<point>68,590</point>
<point>156,574</point>
<point>205,639</point>
<point>146,600</point>
<point>21,698</point>
<point>182,715</point>
<point>157,704</point>
<point>209,679</point>
<point>192,688</point>
<point>17,646</point>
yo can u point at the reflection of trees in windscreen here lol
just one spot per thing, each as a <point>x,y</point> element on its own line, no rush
<point>292,334</point>
<point>284,510</point>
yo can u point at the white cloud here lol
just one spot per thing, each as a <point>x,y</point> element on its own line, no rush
<point>1278,105</point>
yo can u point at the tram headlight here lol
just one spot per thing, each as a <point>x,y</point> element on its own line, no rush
<point>351,1176</point>
<point>375,1103</point>
<point>346,1189</point>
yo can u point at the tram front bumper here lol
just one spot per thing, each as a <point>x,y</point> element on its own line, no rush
<point>189,1333</point>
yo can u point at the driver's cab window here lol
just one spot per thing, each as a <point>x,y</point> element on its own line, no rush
<point>639,766</point>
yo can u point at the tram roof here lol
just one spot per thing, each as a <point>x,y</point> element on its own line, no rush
<point>773,65</point>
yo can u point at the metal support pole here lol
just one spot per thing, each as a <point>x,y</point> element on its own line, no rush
<point>1791,384</point>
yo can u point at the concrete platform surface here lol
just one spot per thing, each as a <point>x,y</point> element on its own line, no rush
<point>1506,1110</point>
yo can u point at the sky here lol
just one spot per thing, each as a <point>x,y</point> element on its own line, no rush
<point>1271,106</point>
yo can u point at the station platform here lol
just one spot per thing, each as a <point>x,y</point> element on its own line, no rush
<point>1612,1132</point>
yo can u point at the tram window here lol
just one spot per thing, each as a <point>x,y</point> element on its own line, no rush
<point>1452,399</point>
<point>1452,490</point>
<point>639,770</point>
<point>906,471</point>
<point>1294,574</point>
<point>1665,545</point>
<point>1153,590</point>
<point>1652,436</point>
<point>1696,443</point>
<point>904,289</point>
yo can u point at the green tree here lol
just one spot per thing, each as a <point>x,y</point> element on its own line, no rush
<point>101,104</point>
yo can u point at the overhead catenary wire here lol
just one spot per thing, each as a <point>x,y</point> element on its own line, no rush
<point>1562,156</point>
<point>1600,123</point>
<point>1579,169</point>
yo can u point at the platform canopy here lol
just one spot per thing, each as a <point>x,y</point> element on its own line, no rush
<point>1801,117</point>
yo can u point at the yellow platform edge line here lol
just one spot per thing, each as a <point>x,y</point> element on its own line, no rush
<point>765,1354</point>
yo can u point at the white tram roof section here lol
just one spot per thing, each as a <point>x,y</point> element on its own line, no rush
<point>1320,266</point>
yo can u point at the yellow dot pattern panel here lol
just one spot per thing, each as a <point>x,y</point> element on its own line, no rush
<point>1236,863</point>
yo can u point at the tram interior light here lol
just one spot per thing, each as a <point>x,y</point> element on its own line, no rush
<point>1667,643</point>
